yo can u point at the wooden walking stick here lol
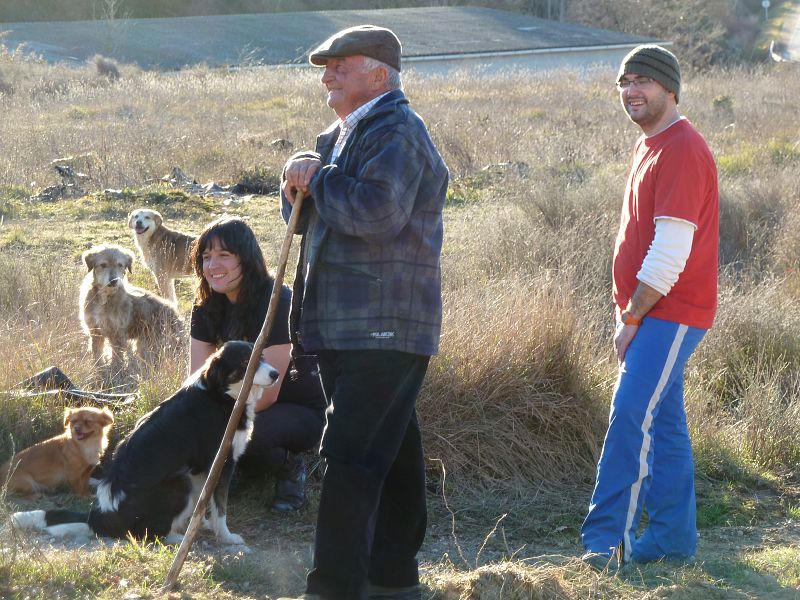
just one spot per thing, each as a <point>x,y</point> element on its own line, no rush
<point>241,401</point>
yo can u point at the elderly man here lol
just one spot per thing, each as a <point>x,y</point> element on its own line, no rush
<point>367,301</point>
<point>665,290</point>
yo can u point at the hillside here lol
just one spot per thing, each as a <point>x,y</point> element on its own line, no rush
<point>716,31</point>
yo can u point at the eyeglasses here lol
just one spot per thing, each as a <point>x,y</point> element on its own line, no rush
<point>639,82</point>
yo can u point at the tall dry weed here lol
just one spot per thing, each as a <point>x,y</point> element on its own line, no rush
<point>514,398</point>
<point>748,370</point>
<point>516,402</point>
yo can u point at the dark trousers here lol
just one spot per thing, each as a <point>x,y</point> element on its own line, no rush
<point>372,513</point>
<point>284,426</point>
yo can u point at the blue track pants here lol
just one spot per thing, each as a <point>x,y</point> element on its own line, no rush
<point>647,455</point>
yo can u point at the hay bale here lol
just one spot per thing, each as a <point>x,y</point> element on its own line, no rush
<point>515,581</point>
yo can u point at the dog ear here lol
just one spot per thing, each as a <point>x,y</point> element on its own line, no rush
<point>67,416</point>
<point>88,258</point>
<point>106,417</point>
<point>132,218</point>
<point>129,261</point>
<point>211,374</point>
<point>158,218</point>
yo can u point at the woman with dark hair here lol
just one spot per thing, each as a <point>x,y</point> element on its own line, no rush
<point>231,300</point>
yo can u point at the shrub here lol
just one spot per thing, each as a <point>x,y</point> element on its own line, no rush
<point>106,67</point>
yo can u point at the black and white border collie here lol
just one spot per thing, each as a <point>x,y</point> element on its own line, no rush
<point>152,483</point>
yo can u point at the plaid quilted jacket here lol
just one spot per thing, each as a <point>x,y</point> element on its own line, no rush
<point>369,272</point>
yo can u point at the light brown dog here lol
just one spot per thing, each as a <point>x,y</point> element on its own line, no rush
<point>114,310</point>
<point>166,252</point>
<point>64,459</point>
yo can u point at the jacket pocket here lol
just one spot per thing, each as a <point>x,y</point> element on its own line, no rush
<point>349,293</point>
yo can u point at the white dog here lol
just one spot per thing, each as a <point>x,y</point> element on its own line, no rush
<point>113,310</point>
<point>167,253</point>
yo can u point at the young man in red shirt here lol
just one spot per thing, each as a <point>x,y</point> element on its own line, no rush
<point>665,291</point>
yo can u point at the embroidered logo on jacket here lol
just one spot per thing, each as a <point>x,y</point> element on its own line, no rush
<point>382,335</point>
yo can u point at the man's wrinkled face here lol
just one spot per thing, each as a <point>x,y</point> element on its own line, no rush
<point>349,85</point>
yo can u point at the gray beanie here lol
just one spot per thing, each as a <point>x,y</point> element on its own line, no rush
<point>653,61</point>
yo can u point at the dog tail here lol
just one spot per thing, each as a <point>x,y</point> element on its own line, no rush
<point>58,522</point>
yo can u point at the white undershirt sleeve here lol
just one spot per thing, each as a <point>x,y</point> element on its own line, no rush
<point>668,253</point>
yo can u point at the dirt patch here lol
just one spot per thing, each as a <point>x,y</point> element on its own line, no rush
<point>471,560</point>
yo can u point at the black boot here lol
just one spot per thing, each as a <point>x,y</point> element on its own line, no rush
<point>290,488</point>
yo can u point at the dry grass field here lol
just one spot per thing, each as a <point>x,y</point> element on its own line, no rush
<point>515,405</point>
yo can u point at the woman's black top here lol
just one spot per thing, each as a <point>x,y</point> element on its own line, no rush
<point>305,388</point>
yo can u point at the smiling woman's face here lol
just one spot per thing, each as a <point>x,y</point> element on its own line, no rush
<point>222,270</point>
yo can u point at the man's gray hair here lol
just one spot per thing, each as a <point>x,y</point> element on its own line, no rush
<point>394,81</point>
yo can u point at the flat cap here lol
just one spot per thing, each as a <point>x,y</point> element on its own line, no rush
<point>376,42</point>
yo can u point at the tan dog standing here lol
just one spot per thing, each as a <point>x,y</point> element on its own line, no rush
<point>166,252</point>
<point>66,459</point>
<point>114,310</point>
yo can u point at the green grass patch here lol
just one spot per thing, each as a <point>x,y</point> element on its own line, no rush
<point>15,237</point>
<point>78,113</point>
<point>11,200</point>
<point>782,152</point>
<point>128,569</point>
<point>105,206</point>
<point>783,563</point>
<point>738,163</point>
<point>719,462</point>
<point>725,485</point>
<point>462,193</point>
<point>259,180</point>
<point>724,508</point>
<point>264,105</point>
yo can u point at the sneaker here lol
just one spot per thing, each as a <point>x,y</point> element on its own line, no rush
<point>597,560</point>
<point>377,592</point>
<point>605,563</point>
<point>290,488</point>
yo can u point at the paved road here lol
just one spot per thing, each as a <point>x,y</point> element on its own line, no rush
<point>788,46</point>
<point>793,37</point>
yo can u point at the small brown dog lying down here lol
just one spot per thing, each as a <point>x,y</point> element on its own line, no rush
<point>166,252</point>
<point>64,459</point>
<point>114,310</point>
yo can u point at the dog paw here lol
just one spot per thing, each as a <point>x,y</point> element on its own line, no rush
<point>70,530</point>
<point>173,539</point>
<point>232,539</point>
<point>237,549</point>
<point>30,519</point>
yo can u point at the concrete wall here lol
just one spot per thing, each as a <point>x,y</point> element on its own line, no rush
<point>579,59</point>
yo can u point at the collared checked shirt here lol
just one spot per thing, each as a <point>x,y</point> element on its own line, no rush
<point>348,124</point>
<point>370,276</point>
<point>346,127</point>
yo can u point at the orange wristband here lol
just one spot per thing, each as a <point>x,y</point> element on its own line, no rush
<point>628,319</point>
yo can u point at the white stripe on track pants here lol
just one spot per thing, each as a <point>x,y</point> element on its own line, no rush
<point>647,454</point>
